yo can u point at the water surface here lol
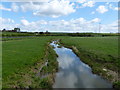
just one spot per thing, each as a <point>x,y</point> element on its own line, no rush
<point>73,73</point>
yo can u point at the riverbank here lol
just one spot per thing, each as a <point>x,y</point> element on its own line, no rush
<point>28,70</point>
<point>97,68</point>
<point>101,64</point>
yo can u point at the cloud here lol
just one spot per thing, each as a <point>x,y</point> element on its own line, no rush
<point>96,20</point>
<point>32,26</point>
<point>93,12</point>
<point>53,9</point>
<point>3,8</point>
<point>81,1</point>
<point>111,6</point>
<point>24,22</point>
<point>73,25</point>
<point>4,20</point>
<point>26,0</point>
<point>88,4</point>
<point>113,27</point>
<point>15,7</point>
<point>7,23</point>
<point>30,6</point>
<point>102,9</point>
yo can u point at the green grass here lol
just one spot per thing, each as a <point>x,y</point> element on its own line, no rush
<point>19,38</point>
<point>100,49</point>
<point>98,45</point>
<point>15,34</point>
<point>52,65</point>
<point>98,52</point>
<point>19,55</point>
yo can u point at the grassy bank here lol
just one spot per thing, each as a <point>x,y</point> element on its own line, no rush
<point>22,60</point>
<point>101,53</point>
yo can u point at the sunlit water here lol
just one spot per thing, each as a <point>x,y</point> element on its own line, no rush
<point>73,73</point>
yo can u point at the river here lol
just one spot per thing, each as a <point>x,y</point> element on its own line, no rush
<point>73,73</point>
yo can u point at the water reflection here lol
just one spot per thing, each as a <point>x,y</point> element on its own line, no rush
<point>73,73</point>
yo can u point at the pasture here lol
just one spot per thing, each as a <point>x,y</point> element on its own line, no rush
<point>100,53</point>
<point>20,55</point>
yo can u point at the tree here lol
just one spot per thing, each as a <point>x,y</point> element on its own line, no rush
<point>4,30</point>
<point>17,29</point>
<point>47,32</point>
<point>41,33</point>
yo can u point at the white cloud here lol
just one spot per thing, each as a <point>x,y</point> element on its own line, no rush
<point>32,26</point>
<point>116,8</point>
<point>78,21</point>
<point>3,8</point>
<point>42,22</point>
<point>113,27</point>
<point>88,4</point>
<point>30,6</point>
<point>14,7</point>
<point>53,9</point>
<point>95,20</point>
<point>4,20</point>
<point>24,22</point>
<point>26,0</point>
<point>81,1</point>
<point>111,6</point>
<point>101,9</point>
<point>7,23</point>
<point>93,12</point>
<point>73,25</point>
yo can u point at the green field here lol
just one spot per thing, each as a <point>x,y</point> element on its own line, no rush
<point>98,52</point>
<point>98,45</point>
<point>19,56</point>
<point>16,34</point>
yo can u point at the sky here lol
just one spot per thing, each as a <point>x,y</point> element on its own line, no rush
<point>60,15</point>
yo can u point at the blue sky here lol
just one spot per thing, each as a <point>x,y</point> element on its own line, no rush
<point>60,16</point>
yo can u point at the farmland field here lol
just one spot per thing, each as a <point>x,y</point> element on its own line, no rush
<point>20,55</point>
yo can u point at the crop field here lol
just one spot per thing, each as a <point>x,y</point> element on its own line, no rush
<point>20,55</point>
